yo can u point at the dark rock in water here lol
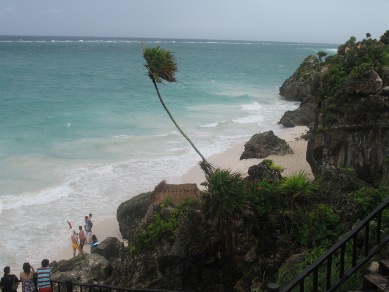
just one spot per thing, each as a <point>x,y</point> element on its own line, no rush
<point>261,172</point>
<point>131,213</point>
<point>265,144</point>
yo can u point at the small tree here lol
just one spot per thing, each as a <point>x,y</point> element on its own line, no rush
<point>368,35</point>
<point>321,54</point>
<point>227,206</point>
<point>162,66</point>
<point>385,38</point>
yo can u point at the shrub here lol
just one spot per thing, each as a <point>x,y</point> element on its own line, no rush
<point>271,165</point>
<point>264,197</point>
<point>320,228</point>
<point>296,186</point>
<point>159,227</point>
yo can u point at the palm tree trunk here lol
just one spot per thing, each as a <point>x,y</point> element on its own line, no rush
<point>204,165</point>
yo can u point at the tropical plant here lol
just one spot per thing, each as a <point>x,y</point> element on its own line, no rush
<point>296,186</point>
<point>227,205</point>
<point>321,54</point>
<point>162,66</point>
<point>321,227</point>
<point>385,38</point>
<point>368,35</point>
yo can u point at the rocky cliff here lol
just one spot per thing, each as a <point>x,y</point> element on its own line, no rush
<point>351,125</point>
<point>302,86</point>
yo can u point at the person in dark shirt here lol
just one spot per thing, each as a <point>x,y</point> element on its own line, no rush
<point>8,281</point>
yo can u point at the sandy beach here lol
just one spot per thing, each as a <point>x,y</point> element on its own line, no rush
<point>229,159</point>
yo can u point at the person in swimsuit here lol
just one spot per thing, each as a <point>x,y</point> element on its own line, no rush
<point>81,236</point>
<point>75,245</point>
<point>27,278</point>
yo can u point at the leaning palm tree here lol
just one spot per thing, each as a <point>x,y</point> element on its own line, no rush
<point>162,66</point>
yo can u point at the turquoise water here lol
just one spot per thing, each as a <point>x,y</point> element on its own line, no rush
<point>82,128</point>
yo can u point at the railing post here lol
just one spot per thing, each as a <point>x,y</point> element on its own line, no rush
<point>69,286</point>
<point>273,287</point>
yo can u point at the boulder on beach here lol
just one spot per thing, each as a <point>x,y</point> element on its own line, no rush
<point>264,144</point>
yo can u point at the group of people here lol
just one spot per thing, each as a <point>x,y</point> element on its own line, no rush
<point>83,237</point>
<point>31,280</point>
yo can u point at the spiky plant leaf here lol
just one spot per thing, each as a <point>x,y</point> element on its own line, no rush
<point>160,63</point>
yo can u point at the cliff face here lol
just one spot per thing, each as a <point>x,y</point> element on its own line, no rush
<point>351,125</point>
<point>302,86</point>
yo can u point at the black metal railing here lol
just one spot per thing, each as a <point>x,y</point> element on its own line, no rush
<point>343,259</point>
<point>69,286</point>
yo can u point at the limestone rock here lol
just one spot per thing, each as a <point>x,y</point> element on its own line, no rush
<point>131,213</point>
<point>261,172</point>
<point>91,268</point>
<point>367,83</point>
<point>303,83</point>
<point>264,144</point>
<point>303,116</point>
<point>110,248</point>
<point>302,86</point>
<point>357,135</point>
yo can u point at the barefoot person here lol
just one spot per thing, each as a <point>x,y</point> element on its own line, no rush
<point>88,229</point>
<point>75,245</point>
<point>81,236</point>
<point>27,278</point>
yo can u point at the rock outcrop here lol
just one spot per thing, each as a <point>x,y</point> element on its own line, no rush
<point>103,266</point>
<point>302,86</point>
<point>265,144</point>
<point>352,129</point>
<point>262,172</point>
<point>131,213</point>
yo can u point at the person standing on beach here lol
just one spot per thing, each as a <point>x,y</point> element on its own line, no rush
<point>44,274</point>
<point>81,236</point>
<point>9,281</point>
<point>91,223</point>
<point>88,229</point>
<point>27,278</point>
<point>75,245</point>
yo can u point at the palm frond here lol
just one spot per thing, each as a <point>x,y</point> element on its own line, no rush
<point>160,63</point>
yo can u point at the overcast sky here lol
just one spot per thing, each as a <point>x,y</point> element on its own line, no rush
<point>322,21</point>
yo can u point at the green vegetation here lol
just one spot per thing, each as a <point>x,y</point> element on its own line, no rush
<point>227,206</point>
<point>353,59</point>
<point>271,165</point>
<point>290,217</point>
<point>162,66</point>
<point>297,186</point>
<point>320,227</point>
<point>161,227</point>
<point>385,38</point>
<point>321,54</point>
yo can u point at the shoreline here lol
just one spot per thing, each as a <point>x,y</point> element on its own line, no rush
<point>228,159</point>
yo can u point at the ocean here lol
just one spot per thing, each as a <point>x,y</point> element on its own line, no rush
<point>82,129</point>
